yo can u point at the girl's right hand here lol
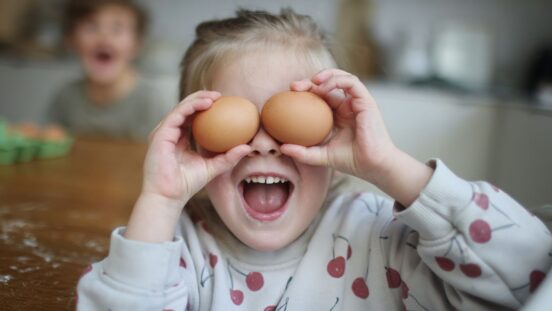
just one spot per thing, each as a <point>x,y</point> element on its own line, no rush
<point>174,172</point>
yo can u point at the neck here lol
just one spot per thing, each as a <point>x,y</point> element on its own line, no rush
<point>102,93</point>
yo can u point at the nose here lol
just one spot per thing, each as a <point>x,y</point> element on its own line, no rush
<point>263,145</point>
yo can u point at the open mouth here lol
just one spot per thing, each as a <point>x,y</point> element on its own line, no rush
<point>265,196</point>
<point>103,57</point>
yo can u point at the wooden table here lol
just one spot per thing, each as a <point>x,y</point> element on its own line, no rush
<point>56,217</point>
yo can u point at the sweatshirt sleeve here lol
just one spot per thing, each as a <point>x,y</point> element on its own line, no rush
<point>136,276</point>
<point>469,244</point>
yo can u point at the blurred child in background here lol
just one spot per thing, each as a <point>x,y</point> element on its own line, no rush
<point>111,99</point>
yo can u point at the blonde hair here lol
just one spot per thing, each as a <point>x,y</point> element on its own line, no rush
<point>218,40</point>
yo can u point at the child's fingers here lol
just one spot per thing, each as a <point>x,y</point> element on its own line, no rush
<point>301,85</point>
<point>316,155</point>
<point>192,103</point>
<point>325,74</point>
<point>170,128</point>
<point>225,161</point>
<point>152,133</point>
<point>348,83</point>
<point>214,95</point>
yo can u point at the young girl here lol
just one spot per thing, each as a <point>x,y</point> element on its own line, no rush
<point>275,236</point>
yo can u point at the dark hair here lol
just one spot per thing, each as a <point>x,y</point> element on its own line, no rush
<point>77,10</point>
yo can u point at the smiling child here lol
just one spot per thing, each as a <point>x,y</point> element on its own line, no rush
<point>111,99</point>
<point>252,243</point>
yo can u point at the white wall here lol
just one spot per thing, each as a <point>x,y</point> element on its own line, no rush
<point>519,27</point>
<point>523,155</point>
<point>175,20</point>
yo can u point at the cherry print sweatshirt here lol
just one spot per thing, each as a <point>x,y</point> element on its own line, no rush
<point>460,245</point>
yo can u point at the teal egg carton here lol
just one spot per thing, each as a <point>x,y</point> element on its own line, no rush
<point>16,148</point>
<point>52,149</point>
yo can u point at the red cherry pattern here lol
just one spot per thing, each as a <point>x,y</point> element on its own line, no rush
<point>535,278</point>
<point>182,263</point>
<point>445,263</point>
<point>205,227</point>
<point>471,270</point>
<point>480,231</point>
<point>393,278</point>
<point>213,259</point>
<point>270,308</point>
<point>336,267</point>
<point>349,252</point>
<point>360,289</point>
<point>254,281</point>
<point>86,270</point>
<point>404,290</point>
<point>482,200</point>
<point>237,296</point>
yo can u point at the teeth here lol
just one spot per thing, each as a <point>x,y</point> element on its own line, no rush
<point>265,180</point>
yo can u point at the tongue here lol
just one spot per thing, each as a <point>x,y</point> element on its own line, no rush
<point>265,198</point>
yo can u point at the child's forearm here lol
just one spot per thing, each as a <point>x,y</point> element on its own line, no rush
<point>403,178</point>
<point>153,219</point>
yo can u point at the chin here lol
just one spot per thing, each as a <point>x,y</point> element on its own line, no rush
<point>266,242</point>
<point>103,77</point>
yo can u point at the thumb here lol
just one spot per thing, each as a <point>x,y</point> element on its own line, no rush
<point>317,155</point>
<point>223,162</point>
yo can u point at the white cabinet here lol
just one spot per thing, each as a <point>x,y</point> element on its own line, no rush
<point>478,137</point>
<point>433,124</point>
<point>524,155</point>
<point>428,123</point>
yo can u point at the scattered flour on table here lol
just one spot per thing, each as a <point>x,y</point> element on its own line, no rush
<point>5,278</point>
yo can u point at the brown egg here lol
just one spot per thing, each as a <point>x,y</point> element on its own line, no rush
<point>300,118</point>
<point>54,133</point>
<point>229,122</point>
<point>29,130</point>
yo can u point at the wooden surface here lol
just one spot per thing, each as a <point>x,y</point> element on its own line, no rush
<point>56,217</point>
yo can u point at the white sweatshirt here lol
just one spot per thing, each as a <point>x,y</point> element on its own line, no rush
<point>460,245</point>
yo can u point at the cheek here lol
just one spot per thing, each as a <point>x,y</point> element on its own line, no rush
<point>315,184</point>
<point>84,44</point>
<point>127,44</point>
<point>317,177</point>
<point>220,190</point>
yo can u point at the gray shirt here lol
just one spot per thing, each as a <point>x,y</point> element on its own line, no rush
<point>130,117</point>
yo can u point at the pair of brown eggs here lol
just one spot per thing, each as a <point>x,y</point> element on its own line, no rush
<point>300,118</point>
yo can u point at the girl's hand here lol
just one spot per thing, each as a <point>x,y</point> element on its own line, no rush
<point>174,172</point>
<point>360,144</point>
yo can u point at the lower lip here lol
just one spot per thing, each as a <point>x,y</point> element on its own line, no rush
<point>264,217</point>
<point>104,62</point>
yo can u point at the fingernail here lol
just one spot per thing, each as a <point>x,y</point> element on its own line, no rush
<point>320,75</point>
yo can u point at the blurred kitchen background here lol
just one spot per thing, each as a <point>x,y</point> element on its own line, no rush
<point>467,81</point>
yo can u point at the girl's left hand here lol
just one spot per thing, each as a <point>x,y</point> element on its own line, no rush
<point>360,144</point>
